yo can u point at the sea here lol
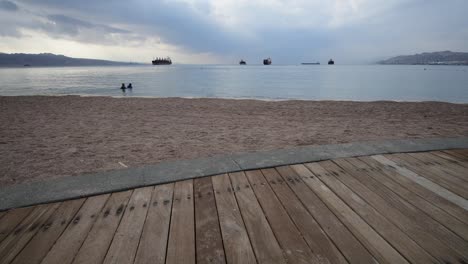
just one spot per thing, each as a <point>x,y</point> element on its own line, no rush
<point>273,82</point>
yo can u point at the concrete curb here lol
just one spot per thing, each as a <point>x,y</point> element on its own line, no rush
<point>98,183</point>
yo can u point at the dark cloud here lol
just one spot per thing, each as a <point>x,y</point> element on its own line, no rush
<point>71,26</point>
<point>339,29</point>
<point>173,22</point>
<point>61,26</point>
<point>8,6</point>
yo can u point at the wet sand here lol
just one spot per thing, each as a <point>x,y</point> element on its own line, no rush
<point>48,137</point>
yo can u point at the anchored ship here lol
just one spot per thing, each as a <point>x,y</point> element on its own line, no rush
<point>331,62</point>
<point>162,61</point>
<point>267,61</point>
<point>242,62</point>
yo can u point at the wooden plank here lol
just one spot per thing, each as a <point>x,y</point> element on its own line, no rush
<point>153,242</point>
<point>428,165</point>
<point>209,243</point>
<point>2,214</point>
<point>450,222</point>
<point>457,155</point>
<point>460,159</point>
<point>439,242</point>
<point>236,242</point>
<point>453,168</point>
<point>437,200</point>
<point>181,245</point>
<point>21,228</point>
<point>21,235</point>
<point>69,242</point>
<point>12,219</point>
<point>48,233</point>
<point>424,182</point>
<point>454,160</point>
<point>264,243</point>
<point>439,167</point>
<point>125,243</point>
<point>460,163</point>
<point>329,173</point>
<point>97,242</point>
<point>289,238</point>
<point>320,244</point>
<point>347,243</point>
<point>437,177</point>
<point>381,250</point>
<point>461,152</point>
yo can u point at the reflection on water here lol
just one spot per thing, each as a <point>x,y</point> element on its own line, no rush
<point>315,82</point>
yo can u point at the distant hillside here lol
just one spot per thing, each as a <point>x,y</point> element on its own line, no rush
<point>48,59</point>
<point>430,58</point>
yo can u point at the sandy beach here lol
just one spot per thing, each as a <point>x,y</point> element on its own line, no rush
<point>48,137</point>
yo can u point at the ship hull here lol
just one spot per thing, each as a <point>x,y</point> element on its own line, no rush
<point>162,63</point>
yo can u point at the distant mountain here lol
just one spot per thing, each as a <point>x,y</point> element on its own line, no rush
<point>48,59</point>
<point>430,58</point>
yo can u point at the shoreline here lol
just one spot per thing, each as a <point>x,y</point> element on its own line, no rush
<point>46,137</point>
<point>233,98</point>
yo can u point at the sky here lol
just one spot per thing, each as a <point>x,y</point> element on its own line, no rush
<point>225,31</point>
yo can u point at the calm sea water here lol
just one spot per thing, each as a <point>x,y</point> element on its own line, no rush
<point>314,82</point>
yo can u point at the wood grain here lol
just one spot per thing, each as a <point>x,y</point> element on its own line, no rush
<point>348,244</point>
<point>127,237</point>
<point>237,246</point>
<point>264,243</point>
<point>153,242</point>
<point>66,247</point>
<point>209,243</point>
<point>181,245</point>
<point>97,242</point>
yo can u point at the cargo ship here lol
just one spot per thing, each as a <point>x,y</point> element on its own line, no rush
<point>267,61</point>
<point>162,61</point>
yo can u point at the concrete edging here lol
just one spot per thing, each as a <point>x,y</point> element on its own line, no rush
<point>98,183</point>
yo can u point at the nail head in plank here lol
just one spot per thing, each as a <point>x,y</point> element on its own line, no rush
<point>367,235</point>
<point>439,243</point>
<point>181,245</point>
<point>357,201</point>
<point>264,243</point>
<point>153,242</point>
<point>236,241</point>
<point>209,244</point>
<point>12,219</point>
<point>431,210</point>
<point>439,178</point>
<point>347,243</point>
<point>45,238</point>
<point>448,206</point>
<point>125,243</point>
<point>70,241</point>
<point>287,234</point>
<point>426,183</point>
<point>15,242</point>
<point>315,237</point>
<point>97,242</point>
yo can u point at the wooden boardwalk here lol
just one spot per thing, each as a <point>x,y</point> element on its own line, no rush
<point>398,208</point>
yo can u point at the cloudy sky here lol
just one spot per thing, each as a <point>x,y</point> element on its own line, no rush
<point>223,31</point>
